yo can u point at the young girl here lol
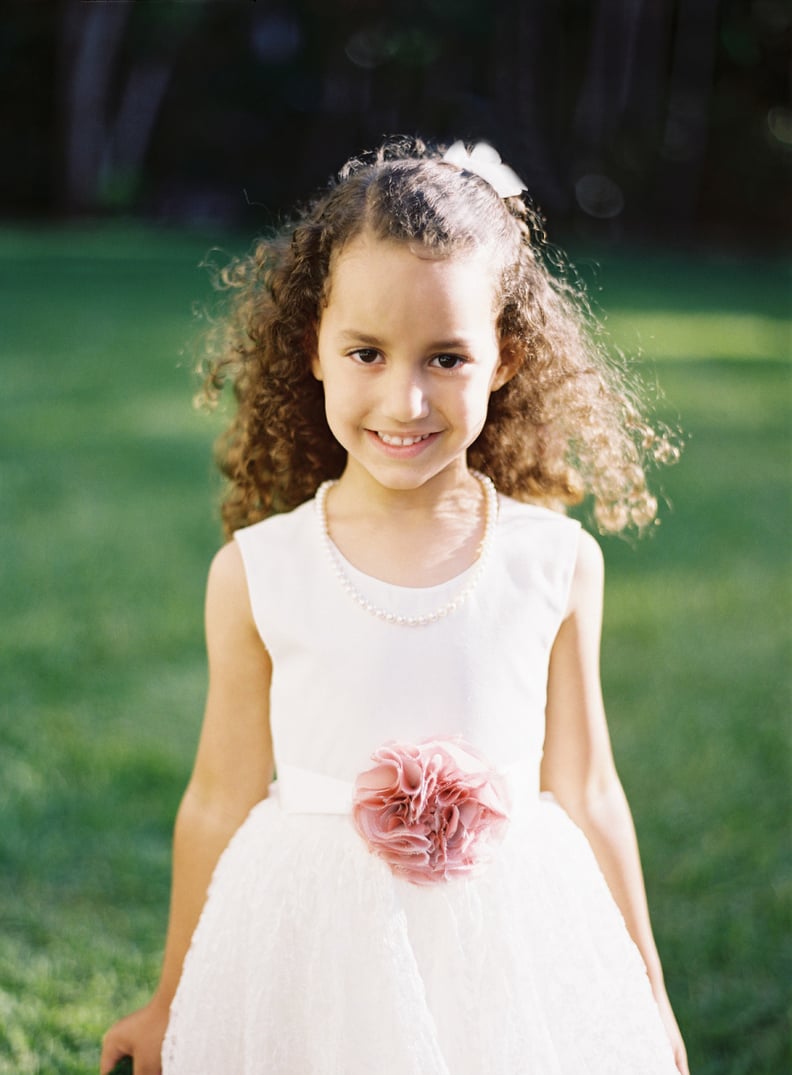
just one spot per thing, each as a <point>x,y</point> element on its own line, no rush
<point>427,865</point>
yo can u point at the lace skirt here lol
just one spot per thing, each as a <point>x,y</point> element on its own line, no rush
<point>312,958</point>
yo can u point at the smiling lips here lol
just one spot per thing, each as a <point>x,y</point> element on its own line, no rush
<point>401,442</point>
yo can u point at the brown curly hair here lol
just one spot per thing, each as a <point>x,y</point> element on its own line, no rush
<point>565,426</point>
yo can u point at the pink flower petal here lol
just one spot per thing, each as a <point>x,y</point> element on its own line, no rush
<point>430,810</point>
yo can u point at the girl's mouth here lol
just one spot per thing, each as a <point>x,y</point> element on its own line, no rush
<point>401,442</point>
<point>402,446</point>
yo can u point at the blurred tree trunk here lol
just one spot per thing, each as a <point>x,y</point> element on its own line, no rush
<point>526,49</point>
<point>610,74</point>
<point>137,113</point>
<point>112,95</point>
<point>646,89</point>
<point>688,112</point>
<point>91,39</point>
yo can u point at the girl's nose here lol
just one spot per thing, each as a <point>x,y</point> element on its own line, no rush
<point>405,398</point>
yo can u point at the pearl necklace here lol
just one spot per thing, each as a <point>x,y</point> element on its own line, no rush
<point>484,549</point>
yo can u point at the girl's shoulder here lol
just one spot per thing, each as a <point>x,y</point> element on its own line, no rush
<point>539,547</point>
<point>556,526</point>
<point>276,555</point>
<point>546,522</point>
<point>277,527</point>
<point>226,589</point>
<point>279,545</point>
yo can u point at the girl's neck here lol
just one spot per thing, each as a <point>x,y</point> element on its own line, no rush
<point>416,537</point>
<point>358,493</point>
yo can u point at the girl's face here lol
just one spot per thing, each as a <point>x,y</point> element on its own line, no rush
<point>408,354</point>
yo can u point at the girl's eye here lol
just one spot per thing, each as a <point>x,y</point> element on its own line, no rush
<point>449,362</point>
<point>365,355</point>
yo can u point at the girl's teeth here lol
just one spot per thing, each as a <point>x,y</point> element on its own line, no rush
<point>400,442</point>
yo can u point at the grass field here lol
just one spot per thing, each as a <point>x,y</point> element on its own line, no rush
<point>107,529</point>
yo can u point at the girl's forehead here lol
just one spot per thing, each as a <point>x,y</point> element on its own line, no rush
<point>368,253</point>
<point>385,277</point>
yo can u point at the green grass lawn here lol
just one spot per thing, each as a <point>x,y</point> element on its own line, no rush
<point>108,526</point>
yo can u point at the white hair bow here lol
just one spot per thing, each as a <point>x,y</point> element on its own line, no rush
<point>485,161</point>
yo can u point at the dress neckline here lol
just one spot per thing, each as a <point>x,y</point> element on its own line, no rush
<point>464,582</point>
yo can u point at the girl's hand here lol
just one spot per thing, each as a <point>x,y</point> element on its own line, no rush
<point>673,1031</point>
<point>139,1035</point>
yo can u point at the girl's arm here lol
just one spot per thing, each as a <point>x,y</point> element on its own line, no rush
<point>233,770</point>
<point>578,766</point>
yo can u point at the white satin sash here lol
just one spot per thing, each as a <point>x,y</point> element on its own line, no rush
<point>305,791</point>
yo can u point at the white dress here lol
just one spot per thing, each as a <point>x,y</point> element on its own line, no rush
<point>311,956</point>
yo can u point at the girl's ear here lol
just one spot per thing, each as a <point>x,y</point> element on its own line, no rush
<point>312,348</point>
<point>511,358</point>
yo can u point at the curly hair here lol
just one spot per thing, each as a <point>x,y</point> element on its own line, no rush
<point>566,426</point>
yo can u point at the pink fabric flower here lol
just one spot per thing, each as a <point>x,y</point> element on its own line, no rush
<point>430,810</point>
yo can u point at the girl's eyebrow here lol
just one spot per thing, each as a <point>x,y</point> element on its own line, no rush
<point>351,335</point>
<point>456,343</point>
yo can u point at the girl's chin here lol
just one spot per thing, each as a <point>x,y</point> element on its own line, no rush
<point>415,473</point>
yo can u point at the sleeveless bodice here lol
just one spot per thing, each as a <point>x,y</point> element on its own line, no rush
<point>345,682</point>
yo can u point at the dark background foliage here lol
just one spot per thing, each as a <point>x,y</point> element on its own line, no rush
<point>643,118</point>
